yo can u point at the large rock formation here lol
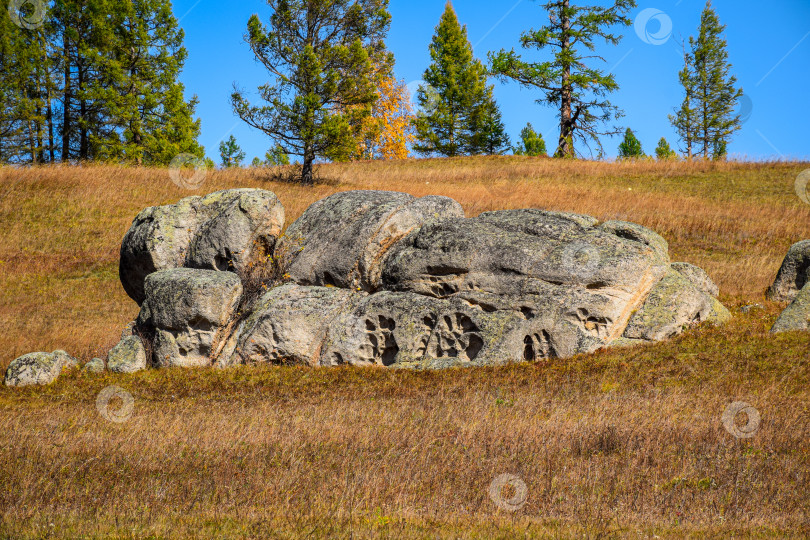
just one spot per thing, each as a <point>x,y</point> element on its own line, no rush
<point>383,278</point>
<point>674,303</point>
<point>226,230</point>
<point>535,262</point>
<point>289,324</point>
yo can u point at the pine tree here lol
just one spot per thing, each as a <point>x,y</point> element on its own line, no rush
<point>13,126</point>
<point>488,133</point>
<point>155,122</point>
<point>532,143</point>
<point>230,153</point>
<point>454,92</point>
<point>663,150</point>
<point>84,41</point>
<point>707,118</point>
<point>717,94</point>
<point>630,147</point>
<point>568,81</point>
<point>321,55</point>
<point>25,89</point>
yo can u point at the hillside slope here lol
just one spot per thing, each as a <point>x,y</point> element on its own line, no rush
<point>619,443</point>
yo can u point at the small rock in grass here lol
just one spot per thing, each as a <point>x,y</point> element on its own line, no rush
<point>96,365</point>
<point>39,368</point>
<point>128,356</point>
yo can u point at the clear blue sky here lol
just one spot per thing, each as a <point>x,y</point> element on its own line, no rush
<point>768,43</point>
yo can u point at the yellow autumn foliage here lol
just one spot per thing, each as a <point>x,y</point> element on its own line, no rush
<point>387,132</point>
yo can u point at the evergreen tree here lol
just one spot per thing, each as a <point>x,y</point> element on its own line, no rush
<point>321,55</point>
<point>717,93</point>
<point>663,150</point>
<point>630,147</point>
<point>84,42</point>
<point>155,121</point>
<point>488,133</point>
<point>532,143</point>
<point>454,100</point>
<point>230,153</point>
<point>708,116</point>
<point>569,81</point>
<point>25,89</point>
<point>12,93</point>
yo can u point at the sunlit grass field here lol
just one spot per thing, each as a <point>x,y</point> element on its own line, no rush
<point>626,443</point>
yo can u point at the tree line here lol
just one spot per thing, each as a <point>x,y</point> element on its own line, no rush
<point>96,80</point>
<point>99,80</point>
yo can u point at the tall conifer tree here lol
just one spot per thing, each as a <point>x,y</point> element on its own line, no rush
<point>569,81</point>
<point>458,114</point>
<point>707,117</point>
<point>320,55</point>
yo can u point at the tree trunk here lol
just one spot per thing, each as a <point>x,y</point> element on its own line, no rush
<point>67,98</point>
<point>307,176</point>
<point>84,143</point>
<point>49,119</point>
<point>565,146</point>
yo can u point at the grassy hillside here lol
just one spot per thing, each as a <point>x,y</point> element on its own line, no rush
<point>618,443</point>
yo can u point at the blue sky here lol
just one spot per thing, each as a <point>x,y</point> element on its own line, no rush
<point>768,44</point>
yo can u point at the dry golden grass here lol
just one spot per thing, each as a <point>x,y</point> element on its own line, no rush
<point>618,443</point>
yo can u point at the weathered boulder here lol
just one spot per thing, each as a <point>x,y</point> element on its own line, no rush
<point>188,311</point>
<point>128,356</point>
<point>698,277</point>
<point>566,265</point>
<point>674,304</point>
<point>793,274</point>
<point>226,230</point>
<point>96,365</point>
<point>797,315</point>
<point>289,324</point>
<point>343,240</point>
<point>38,368</point>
